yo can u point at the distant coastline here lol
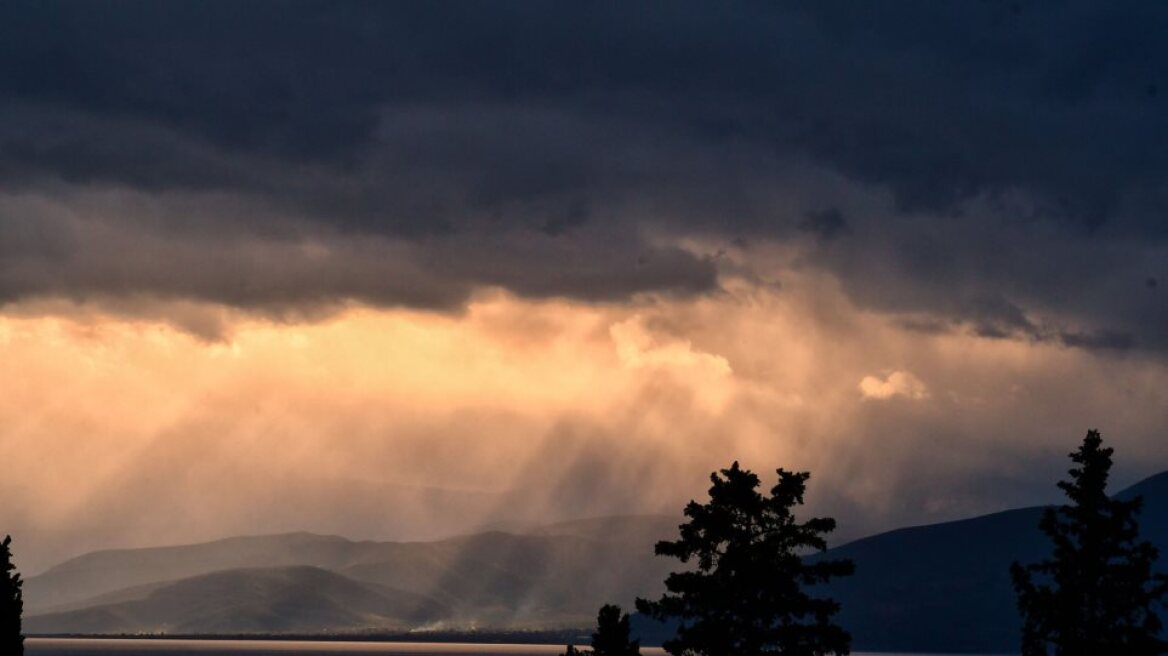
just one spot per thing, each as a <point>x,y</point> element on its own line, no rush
<point>486,637</point>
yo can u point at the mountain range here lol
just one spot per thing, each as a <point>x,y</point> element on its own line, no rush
<point>946,587</point>
<point>551,576</point>
<point>940,587</point>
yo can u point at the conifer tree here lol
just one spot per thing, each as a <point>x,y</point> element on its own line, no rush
<point>11,603</point>
<point>1096,594</point>
<point>611,637</point>
<point>612,634</point>
<point>745,594</point>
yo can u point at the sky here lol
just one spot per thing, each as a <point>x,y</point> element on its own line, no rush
<point>403,270</point>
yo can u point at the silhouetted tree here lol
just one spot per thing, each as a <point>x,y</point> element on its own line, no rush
<point>11,603</point>
<point>1096,594</point>
<point>612,634</point>
<point>745,595</point>
<point>611,637</point>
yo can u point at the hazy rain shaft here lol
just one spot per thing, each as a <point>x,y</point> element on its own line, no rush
<point>409,425</point>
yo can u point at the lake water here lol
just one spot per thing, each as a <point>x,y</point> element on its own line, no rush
<point>112,647</point>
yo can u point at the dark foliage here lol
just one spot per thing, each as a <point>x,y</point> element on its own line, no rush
<point>11,603</point>
<point>611,637</point>
<point>612,634</point>
<point>1096,594</point>
<point>746,593</point>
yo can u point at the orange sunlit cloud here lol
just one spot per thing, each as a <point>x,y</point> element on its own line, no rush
<point>398,423</point>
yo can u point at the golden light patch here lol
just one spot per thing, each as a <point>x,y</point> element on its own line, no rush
<point>387,422</point>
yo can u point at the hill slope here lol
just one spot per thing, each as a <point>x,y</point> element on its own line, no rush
<point>103,572</point>
<point>557,576</point>
<point>942,587</point>
<point>946,587</point>
<point>268,600</point>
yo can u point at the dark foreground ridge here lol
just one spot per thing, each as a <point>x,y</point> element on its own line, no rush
<point>947,587</point>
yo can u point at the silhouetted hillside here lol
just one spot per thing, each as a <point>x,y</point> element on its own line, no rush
<point>946,587</point>
<point>103,572</point>
<point>270,600</point>
<point>557,577</point>
<point>1154,518</point>
<point>943,587</point>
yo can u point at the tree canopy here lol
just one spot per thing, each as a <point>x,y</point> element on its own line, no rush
<point>612,635</point>
<point>11,603</point>
<point>746,593</point>
<point>1097,593</point>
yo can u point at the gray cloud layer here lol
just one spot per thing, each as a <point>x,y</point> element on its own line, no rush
<point>997,167</point>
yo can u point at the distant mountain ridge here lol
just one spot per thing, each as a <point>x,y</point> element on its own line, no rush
<point>264,600</point>
<point>555,576</point>
<point>106,571</point>
<point>946,587</point>
<point>938,588</point>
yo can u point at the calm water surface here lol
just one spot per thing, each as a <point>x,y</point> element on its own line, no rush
<point>110,647</point>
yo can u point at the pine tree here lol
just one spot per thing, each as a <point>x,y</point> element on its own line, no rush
<point>611,637</point>
<point>1096,594</point>
<point>612,634</point>
<point>745,594</point>
<point>11,603</point>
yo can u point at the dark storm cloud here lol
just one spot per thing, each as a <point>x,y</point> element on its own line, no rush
<point>555,150</point>
<point>47,249</point>
<point>825,224</point>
